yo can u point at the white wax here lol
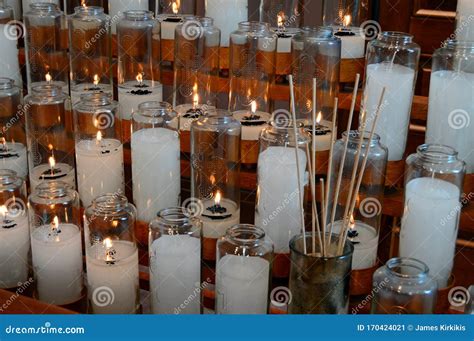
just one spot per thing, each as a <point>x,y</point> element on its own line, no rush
<point>227,14</point>
<point>392,126</point>
<point>251,132</point>
<point>365,244</point>
<point>175,274</point>
<point>62,172</point>
<point>284,40</point>
<point>9,54</point>
<point>182,110</point>
<point>242,285</point>
<point>117,7</point>
<point>451,113</point>
<point>430,225</point>
<point>465,20</point>
<point>14,249</point>
<point>168,27</point>
<point>352,47</point>
<point>15,4</point>
<point>216,228</point>
<point>99,168</point>
<point>13,157</point>
<point>278,209</point>
<point>81,89</point>
<point>113,288</point>
<point>155,171</point>
<point>323,142</point>
<point>129,102</point>
<point>57,263</point>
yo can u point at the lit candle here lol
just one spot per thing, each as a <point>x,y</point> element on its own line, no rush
<point>14,248</point>
<point>465,20</point>
<point>252,121</point>
<point>132,93</point>
<point>191,112</point>
<point>57,262</point>
<point>116,8</point>
<point>284,34</point>
<point>170,21</point>
<point>48,79</point>
<point>83,88</point>
<point>219,214</point>
<point>99,164</point>
<point>227,14</point>
<point>13,157</point>
<point>323,133</point>
<point>52,171</point>
<point>352,39</point>
<point>9,54</point>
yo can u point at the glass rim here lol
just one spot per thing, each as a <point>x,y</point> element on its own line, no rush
<point>335,237</point>
<point>109,201</point>
<point>6,83</point>
<point>88,10</point>
<point>138,15</point>
<point>437,153</point>
<point>395,35</point>
<point>52,189</point>
<point>408,262</point>
<point>232,234</point>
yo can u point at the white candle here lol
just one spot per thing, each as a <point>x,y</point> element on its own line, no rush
<point>242,285</point>
<point>99,166</point>
<point>131,94</point>
<point>57,262</point>
<point>9,54</point>
<point>112,277</point>
<point>215,225</point>
<point>278,208</point>
<point>116,9</point>
<point>168,25</point>
<point>13,157</point>
<point>392,125</point>
<point>227,14</point>
<point>430,225</point>
<point>451,113</point>
<point>155,171</point>
<point>284,36</point>
<point>59,172</point>
<point>465,20</point>
<point>323,133</point>
<point>352,42</point>
<point>175,274</point>
<point>252,121</point>
<point>14,248</point>
<point>81,89</point>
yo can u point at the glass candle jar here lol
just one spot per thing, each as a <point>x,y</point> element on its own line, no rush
<point>56,243</point>
<point>99,148</point>
<point>281,13</point>
<point>155,146</point>
<point>136,61</point>
<point>433,184</point>
<point>176,7</point>
<point>48,127</point>
<point>117,10</point>
<point>196,65</point>
<point>14,231</point>
<point>364,222</point>
<point>252,66</point>
<point>391,63</point>
<point>175,263</point>
<point>227,15</point>
<point>46,46</point>
<point>6,13</point>
<point>111,255</point>
<point>316,54</point>
<point>345,12</point>
<point>72,5</point>
<point>12,122</point>
<point>244,258</point>
<point>451,108</point>
<point>89,51</point>
<point>403,286</point>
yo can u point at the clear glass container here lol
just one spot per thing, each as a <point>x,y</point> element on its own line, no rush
<point>14,231</point>
<point>364,222</point>
<point>391,63</point>
<point>99,148</point>
<point>117,10</point>
<point>404,286</point>
<point>46,46</point>
<point>243,277</point>
<point>252,66</point>
<point>450,101</point>
<point>89,51</point>
<point>137,65</point>
<point>281,13</point>
<point>196,64</point>
<point>111,255</point>
<point>6,13</point>
<point>155,145</point>
<point>48,129</point>
<point>175,262</point>
<point>12,122</point>
<point>72,5</point>
<point>433,185</point>
<point>345,12</point>
<point>316,53</point>
<point>215,183</point>
<point>56,243</point>
<point>176,6</point>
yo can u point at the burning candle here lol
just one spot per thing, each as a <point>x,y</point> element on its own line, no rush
<point>323,133</point>
<point>219,214</point>
<point>190,112</point>
<point>352,39</point>
<point>170,21</point>
<point>284,33</point>
<point>80,89</point>
<point>132,93</point>
<point>13,157</point>
<point>252,121</point>
<point>227,14</point>
<point>116,8</point>
<point>52,171</point>
<point>57,262</point>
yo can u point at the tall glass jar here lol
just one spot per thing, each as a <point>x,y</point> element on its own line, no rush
<point>111,255</point>
<point>252,66</point>
<point>50,144</point>
<point>243,277</point>
<point>56,243</point>
<point>176,7</point>
<point>99,149</point>
<point>12,123</point>
<point>155,146</point>
<point>286,13</point>
<point>451,108</point>
<point>89,51</point>
<point>433,184</point>
<point>404,286</point>
<point>364,222</point>
<point>391,63</point>
<point>175,262</point>
<point>316,54</point>
<point>117,10</point>
<point>278,209</point>
<point>46,45</point>
<point>215,183</point>
<point>14,231</point>
<point>196,65</point>
<point>137,82</point>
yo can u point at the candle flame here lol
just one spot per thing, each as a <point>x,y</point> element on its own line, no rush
<point>96,79</point>
<point>48,78</point>
<point>99,136</point>
<point>139,78</point>
<point>55,223</point>
<point>83,3</point>
<point>347,20</point>
<point>195,100</point>
<point>212,178</point>
<point>280,19</point>
<point>3,211</point>
<point>319,118</point>
<point>107,243</point>
<point>253,107</point>
<point>352,222</point>
<point>52,162</point>
<point>175,7</point>
<point>3,142</point>
<point>217,198</point>
<point>50,146</point>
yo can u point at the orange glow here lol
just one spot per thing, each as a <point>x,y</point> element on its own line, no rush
<point>217,198</point>
<point>48,78</point>
<point>52,162</point>
<point>139,78</point>
<point>280,19</point>
<point>319,118</point>
<point>347,20</point>
<point>96,79</point>
<point>99,136</point>
<point>175,7</point>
